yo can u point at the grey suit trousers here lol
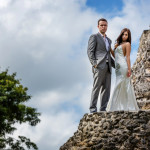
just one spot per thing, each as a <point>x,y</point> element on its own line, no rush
<point>101,85</point>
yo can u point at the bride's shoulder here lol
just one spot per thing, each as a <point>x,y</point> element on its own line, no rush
<point>127,45</point>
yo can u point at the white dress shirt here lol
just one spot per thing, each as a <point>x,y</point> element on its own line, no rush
<point>105,40</point>
<point>106,43</point>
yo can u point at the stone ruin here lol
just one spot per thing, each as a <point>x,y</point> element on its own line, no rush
<point>120,130</point>
<point>141,72</point>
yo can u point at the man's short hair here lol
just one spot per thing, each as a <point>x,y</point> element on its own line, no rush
<point>101,19</point>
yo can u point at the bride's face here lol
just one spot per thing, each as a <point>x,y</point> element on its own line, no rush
<point>125,36</point>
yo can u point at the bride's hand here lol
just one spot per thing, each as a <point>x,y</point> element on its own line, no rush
<point>129,73</point>
<point>116,45</point>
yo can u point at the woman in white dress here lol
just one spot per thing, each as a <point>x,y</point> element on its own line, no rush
<point>123,97</point>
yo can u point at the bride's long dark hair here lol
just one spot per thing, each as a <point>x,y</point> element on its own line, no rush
<point>119,39</point>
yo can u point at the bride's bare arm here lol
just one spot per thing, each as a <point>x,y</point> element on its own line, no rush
<point>128,50</point>
<point>112,52</point>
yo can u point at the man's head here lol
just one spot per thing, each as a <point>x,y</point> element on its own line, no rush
<point>102,25</point>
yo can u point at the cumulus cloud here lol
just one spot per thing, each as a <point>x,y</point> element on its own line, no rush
<point>134,15</point>
<point>52,132</point>
<point>46,39</point>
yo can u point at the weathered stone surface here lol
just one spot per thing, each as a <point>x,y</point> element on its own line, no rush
<point>120,130</point>
<point>141,72</point>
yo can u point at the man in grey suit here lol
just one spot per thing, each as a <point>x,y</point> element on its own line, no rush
<point>99,46</point>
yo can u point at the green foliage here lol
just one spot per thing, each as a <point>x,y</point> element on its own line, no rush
<point>13,110</point>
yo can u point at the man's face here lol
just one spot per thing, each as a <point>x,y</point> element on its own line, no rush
<point>102,26</point>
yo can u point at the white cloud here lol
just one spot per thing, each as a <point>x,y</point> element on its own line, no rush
<point>51,101</point>
<point>4,3</point>
<point>44,42</point>
<point>135,16</point>
<point>52,132</point>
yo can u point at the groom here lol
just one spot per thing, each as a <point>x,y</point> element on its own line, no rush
<point>99,46</point>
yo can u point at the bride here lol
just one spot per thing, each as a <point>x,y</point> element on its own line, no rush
<point>123,97</point>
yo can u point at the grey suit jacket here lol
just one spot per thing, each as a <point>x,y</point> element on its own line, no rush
<point>98,53</point>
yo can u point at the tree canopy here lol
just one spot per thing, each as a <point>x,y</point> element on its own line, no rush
<point>13,110</point>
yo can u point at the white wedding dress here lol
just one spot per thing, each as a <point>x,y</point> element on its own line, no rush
<point>123,97</point>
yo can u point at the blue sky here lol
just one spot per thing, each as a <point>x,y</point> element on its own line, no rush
<point>45,42</point>
<point>110,7</point>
